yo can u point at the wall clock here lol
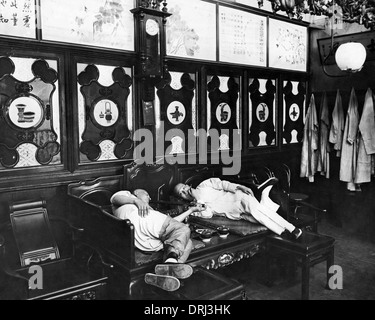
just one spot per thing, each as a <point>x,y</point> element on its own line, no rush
<point>152,27</point>
<point>150,22</point>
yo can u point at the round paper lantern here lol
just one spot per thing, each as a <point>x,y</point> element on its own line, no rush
<point>351,56</point>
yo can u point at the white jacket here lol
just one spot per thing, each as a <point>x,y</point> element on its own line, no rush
<point>309,156</point>
<point>338,123</point>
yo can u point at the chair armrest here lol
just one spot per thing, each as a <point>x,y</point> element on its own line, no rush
<point>74,228</point>
<point>95,250</point>
<point>4,265</point>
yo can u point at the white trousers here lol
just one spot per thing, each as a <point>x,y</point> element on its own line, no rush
<point>265,213</point>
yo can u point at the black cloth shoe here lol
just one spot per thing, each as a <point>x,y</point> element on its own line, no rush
<point>287,235</point>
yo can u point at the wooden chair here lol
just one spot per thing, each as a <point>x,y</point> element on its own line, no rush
<point>43,258</point>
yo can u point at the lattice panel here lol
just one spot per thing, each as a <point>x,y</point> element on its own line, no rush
<point>177,113</point>
<point>104,113</point>
<point>294,94</point>
<point>223,111</point>
<point>262,118</point>
<point>29,112</point>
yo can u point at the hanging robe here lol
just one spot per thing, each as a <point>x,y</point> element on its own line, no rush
<point>349,150</point>
<point>324,147</point>
<point>337,127</point>
<point>309,156</point>
<point>366,140</point>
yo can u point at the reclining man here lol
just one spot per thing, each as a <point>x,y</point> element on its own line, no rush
<point>155,231</point>
<point>235,201</point>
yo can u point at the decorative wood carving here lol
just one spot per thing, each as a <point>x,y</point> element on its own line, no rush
<point>294,106</point>
<point>223,110</point>
<point>106,117</point>
<point>262,112</point>
<point>176,112</point>
<point>157,179</point>
<point>26,113</point>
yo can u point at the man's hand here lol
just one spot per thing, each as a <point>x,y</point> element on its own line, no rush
<point>198,207</point>
<point>245,189</point>
<point>143,207</point>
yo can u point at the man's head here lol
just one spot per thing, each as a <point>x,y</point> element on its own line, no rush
<point>142,195</point>
<point>183,191</point>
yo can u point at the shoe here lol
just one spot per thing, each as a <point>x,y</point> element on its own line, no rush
<point>178,270</point>
<point>166,283</point>
<point>297,233</point>
<point>269,182</point>
<point>287,235</point>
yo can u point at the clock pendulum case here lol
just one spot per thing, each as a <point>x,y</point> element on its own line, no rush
<point>150,33</point>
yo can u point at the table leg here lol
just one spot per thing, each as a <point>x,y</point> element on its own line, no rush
<point>305,279</point>
<point>330,262</point>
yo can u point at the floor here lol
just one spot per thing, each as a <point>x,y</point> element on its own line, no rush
<point>354,253</point>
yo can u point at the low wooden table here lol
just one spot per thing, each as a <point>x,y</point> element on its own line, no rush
<point>309,250</point>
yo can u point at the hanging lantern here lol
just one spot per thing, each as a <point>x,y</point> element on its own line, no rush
<point>351,56</point>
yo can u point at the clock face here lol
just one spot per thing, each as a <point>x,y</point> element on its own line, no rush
<point>152,27</point>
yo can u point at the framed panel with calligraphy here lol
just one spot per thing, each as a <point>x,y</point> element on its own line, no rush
<point>287,46</point>
<point>17,18</point>
<point>242,37</point>
<point>191,30</point>
<point>100,23</point>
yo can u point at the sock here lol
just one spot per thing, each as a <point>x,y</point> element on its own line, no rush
<point>171,260</point>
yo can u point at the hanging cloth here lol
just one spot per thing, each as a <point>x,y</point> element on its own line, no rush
<point>337,128</point>
<point>349,150</point>
<point>324,147</point>
<point>366,140</point>
<point>309,156</point>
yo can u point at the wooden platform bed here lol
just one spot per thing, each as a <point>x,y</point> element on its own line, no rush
<point>115,238</point>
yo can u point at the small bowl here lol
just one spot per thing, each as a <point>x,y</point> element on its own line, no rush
<point>205,234</point>
<point>223,231</point>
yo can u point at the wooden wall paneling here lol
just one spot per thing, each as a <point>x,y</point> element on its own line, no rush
<point>177,99</point>
<point>106,114</point>
<point>294,105</point>
<point>223,101</point>
<point>263,109</point>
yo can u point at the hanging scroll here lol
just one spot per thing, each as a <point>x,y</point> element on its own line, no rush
<point>243,37</point>
<point>287,46</point>
<point>100,23</point>
<point>191,30</point>
<point>17,18</point>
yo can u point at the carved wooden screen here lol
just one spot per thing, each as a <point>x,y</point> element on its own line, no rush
<point>30,112</point>
<point>294,100</point>
<point>262,113</point>
<point>177,125</point>
<point>223,112</point>
<point>105,113</point>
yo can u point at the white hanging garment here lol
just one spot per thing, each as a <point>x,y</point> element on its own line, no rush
<point>309,156</point>
<point>324,147</point>
<point>336,132</point>
<point>349,150</point>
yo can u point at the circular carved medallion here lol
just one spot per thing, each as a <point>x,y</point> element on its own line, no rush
<point>223,113</point>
